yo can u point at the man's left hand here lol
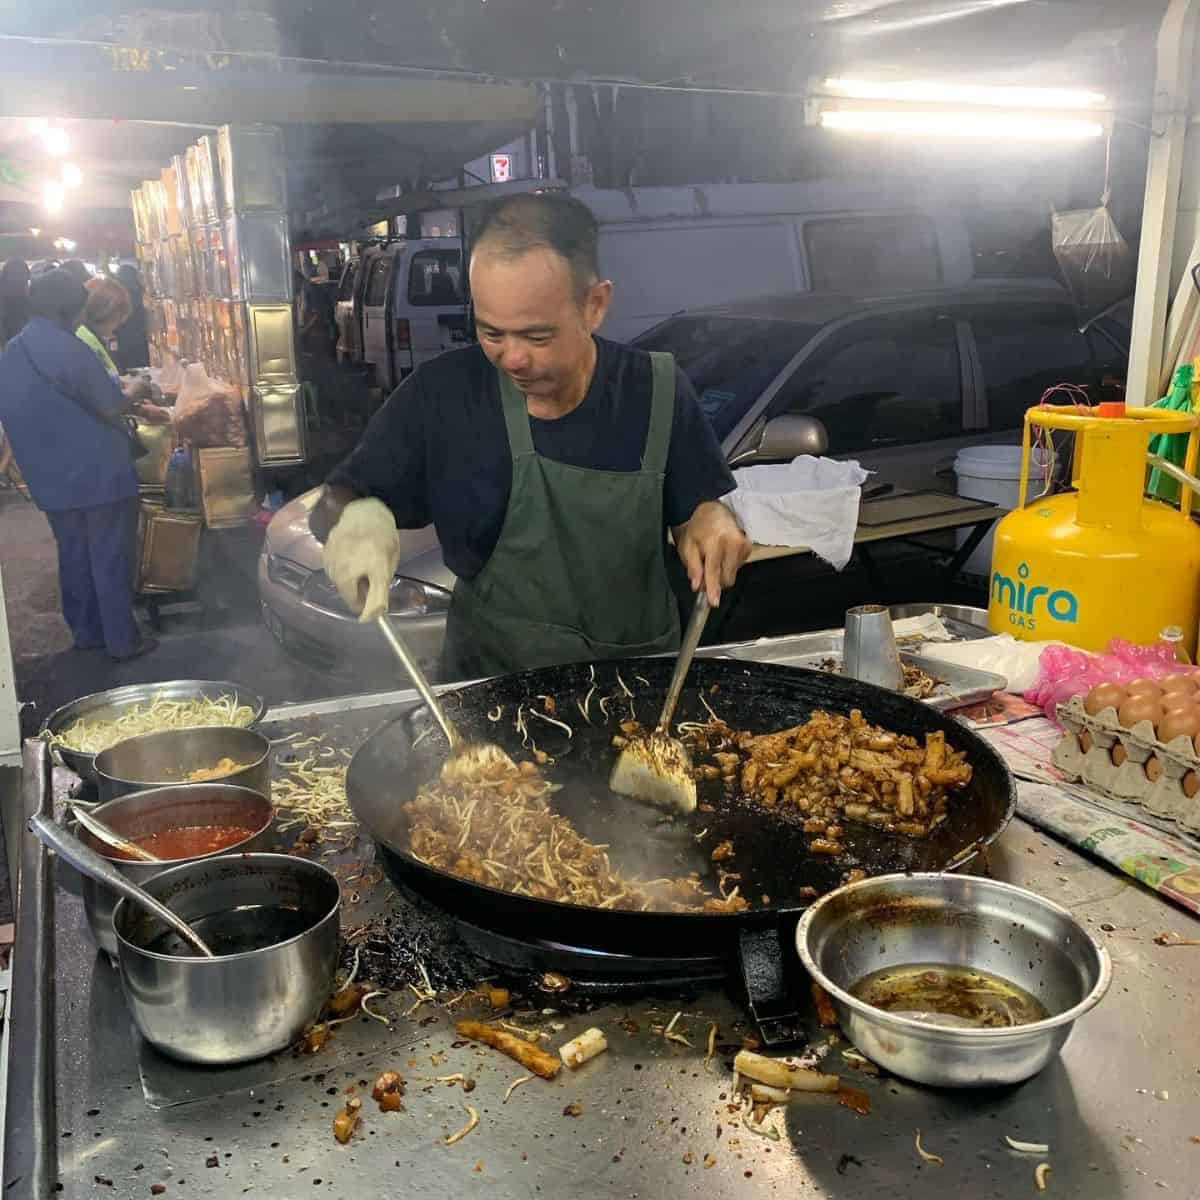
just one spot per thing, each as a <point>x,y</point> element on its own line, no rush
<point>711,547</point>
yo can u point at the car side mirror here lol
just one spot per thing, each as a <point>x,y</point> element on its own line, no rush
<point>783,438</point>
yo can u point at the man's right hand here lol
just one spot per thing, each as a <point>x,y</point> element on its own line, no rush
<point>361,554</point>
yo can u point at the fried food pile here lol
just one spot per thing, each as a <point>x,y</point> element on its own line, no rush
<point>494,825</point>
<point>835,768</point>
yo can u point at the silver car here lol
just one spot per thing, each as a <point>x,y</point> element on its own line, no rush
<point>900,384</point>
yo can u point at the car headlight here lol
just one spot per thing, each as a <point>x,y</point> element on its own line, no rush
<point>406,597</point>
<point>416,598</point>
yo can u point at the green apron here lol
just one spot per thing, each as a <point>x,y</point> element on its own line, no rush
<point>579,569</point>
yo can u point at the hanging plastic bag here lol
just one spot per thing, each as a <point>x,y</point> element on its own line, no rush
<point>208,413</point>
<point>1098,265</point>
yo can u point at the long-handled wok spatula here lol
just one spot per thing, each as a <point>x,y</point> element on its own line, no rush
<point>468,761</point>
<point>657,767</point>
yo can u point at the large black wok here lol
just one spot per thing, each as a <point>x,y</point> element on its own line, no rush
<point>771,853</point>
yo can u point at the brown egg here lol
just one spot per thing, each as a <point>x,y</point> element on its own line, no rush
<point>1085,741</point>
<point>1191,784</point>
<point>1153,770</point>
<point>1102,696</point>
<point>1175,701</point>
<point>1118,754</point>
<point>1179,722</point>
<point>1137,709</point>
<point>1143,687</point>
<point>1181,681</point>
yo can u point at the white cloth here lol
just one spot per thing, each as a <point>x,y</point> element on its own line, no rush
<point>811,502</point>
<point>364,544</point>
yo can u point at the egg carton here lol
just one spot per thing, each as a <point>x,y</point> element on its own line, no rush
<point>1130,764</point>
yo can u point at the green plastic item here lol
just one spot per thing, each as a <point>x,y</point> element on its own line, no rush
<point>1171,446</point>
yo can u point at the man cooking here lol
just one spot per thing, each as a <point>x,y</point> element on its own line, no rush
<point>549,460</point>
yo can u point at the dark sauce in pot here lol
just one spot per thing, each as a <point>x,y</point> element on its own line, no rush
<point>190,841</point>
<point>237,930</point>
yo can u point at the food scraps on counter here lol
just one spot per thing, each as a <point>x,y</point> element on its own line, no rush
<point>530,1056</point>
<point>388,1091</point>
<point>347,1119</point>
<point>583,1048</point>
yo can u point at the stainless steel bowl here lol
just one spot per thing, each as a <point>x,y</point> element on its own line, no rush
<point>112,703</point>
<point>140,813</point>
<point>234,1007</point>
<point>161,759</point>
<point>965,921</point>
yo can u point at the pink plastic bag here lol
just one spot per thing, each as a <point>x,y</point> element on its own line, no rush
<point>1064,672</point>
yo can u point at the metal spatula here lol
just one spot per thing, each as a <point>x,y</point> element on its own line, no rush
<point>468,760</point>
<point>657,767</point>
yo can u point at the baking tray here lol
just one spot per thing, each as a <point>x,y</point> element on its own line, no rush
<point>958,686</point>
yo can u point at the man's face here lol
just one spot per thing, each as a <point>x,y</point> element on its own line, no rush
<point>530,320</point>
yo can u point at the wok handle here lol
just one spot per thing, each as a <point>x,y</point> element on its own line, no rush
<point>72,850</point>
<point>774,984</point>
<point>419,681</point>
<point>687,651</point>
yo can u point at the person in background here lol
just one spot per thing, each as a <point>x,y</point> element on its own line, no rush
<point>14,298</point>
<point>108,308</point>
<point>78,268</point>
<point>63,412</point>
<point>318,328</point>
<point>133,349</point>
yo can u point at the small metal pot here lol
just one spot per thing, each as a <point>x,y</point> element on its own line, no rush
<point>140,813</point>
<point>159,759</point>
<point>957,920</point>
<point>112,703</point>
<point>235,1007</point>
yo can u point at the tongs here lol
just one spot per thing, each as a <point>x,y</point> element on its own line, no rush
<point>657,767</point>
<point>468,761</point>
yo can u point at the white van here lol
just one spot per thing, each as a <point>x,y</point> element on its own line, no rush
<point>671,249</point>
<point>411,297</point>
<point>668,250</point>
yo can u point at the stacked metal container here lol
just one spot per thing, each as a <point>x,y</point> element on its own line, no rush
<point>213,243</point>
<point>254,212</point>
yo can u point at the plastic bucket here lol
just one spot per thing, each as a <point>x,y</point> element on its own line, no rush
<point>993,474</point>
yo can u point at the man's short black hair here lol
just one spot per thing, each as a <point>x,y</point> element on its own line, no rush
<point>544,220</point>
<point>58,296</point>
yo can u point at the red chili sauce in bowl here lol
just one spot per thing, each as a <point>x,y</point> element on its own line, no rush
<point>189,841</point>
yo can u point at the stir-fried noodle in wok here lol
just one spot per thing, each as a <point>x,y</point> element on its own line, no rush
<point>494,823</point>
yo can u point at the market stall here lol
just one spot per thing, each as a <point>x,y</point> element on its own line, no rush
<point>92,1105</point>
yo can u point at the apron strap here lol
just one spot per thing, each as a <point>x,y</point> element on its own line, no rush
<point>662,413</point>
<point>516,417</point>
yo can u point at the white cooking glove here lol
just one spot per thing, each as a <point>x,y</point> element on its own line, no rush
<point>363,545</point>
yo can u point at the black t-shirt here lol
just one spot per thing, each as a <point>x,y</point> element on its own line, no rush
<point>437,452</point>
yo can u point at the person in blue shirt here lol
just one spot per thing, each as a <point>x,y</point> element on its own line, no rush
<point>64,417</point>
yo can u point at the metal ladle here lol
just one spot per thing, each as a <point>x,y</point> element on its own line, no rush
<point>110,837</point>
<point>467,758</point>
<point>72,850</point>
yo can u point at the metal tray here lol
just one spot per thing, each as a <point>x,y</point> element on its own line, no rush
<point>958,686</point>
<point>964,621</point>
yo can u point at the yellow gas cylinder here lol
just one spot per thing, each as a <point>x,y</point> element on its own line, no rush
<point>1102,560</point>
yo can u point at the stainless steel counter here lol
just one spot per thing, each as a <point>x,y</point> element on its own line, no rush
<point>100,1115</point>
